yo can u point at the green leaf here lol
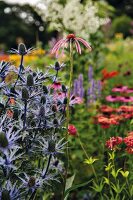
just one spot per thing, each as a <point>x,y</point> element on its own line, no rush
<point>75,187</point>
<point>69,183</point>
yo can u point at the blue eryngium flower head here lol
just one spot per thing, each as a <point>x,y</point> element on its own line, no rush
<point>22,50</point>
<point>31,182</point>
<point>9,192</point>
<point>8,140</point>
<point>51,146</point>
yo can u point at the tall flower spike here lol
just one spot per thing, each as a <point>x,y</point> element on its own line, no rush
<point>71,37</point>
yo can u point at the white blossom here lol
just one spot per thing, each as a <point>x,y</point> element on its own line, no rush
<point>72,17</point>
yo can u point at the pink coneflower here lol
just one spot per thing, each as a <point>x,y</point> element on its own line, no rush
<point>73,99</point>
<point>56,86</point>
<point>130,90</point>
<point>71,37</point>
<point>126,99</point>
<point>112,98</point>
<point>121,89</point>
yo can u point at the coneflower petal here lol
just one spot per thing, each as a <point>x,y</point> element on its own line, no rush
<point>56,45</point>
<point>86,44</point>
<point>78,46</point>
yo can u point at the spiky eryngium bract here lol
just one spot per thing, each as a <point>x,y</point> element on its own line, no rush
<point>31,126</point>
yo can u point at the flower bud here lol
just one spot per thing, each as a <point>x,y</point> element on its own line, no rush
<point>15,114</point>
<point>43,100</point>
<point>25,94</point>
<point>5,195</point>
<point>22,49</point>
<point>65,100</point>
<point>42,111</point>
<point>45,89</point>
<point>51,146</point>
<point>54,108</point>
<point>3,140</point>
<point>55,122</point>
<point>31,181</point>
<point>57,66</point>
<point>64,89</point>
<point>30,80</point>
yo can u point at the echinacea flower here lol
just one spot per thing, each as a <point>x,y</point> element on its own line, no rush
<point>121,89</point>
<point>126,99</point>
<point>113,98</point>
<point>70,38</point>
<point>113,142</point>
<point>56,86</point>
<point>72,130</point>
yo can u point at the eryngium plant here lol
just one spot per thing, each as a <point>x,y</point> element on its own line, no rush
<point>32,115</point>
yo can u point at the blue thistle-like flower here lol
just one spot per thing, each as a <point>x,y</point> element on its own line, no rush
<point>8,140</point>
<point>10,192</point>
<point>22,50</point>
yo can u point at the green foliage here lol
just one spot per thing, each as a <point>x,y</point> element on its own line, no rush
<point>122,24</point>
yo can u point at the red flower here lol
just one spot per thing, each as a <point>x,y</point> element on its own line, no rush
<point>129,141</point>
<point>106,109</point>
<point>72,130</point>
<point>113,142</point>
<point>108,75</point>
<point>129,150</point>
<point>71,37</point>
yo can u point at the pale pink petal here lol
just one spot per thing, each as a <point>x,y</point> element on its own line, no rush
<point>84,43</point>
<point>78,46</point>
<point>58,45</point>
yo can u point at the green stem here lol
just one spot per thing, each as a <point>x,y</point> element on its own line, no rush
<point>81,144</point>
<point>68,111</point>
<point>70,86</point>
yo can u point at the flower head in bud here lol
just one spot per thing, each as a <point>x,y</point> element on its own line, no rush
<point>51,146</point>
<point>45,89</point>
<point>43,100</point>
<point>3,140</point>
<point>30,80</point>
<point>42,111</point>
<point>25,93</point>
<point>57,66</point>
<point>64,89</point>
<point>54,108</point>
<point>9,192</point>
<point>5,195</point>
<point>55,122</point>
<point>22,50</point>
<point>31,181</point>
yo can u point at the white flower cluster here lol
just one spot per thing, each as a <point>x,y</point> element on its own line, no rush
<point>72,17</point>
